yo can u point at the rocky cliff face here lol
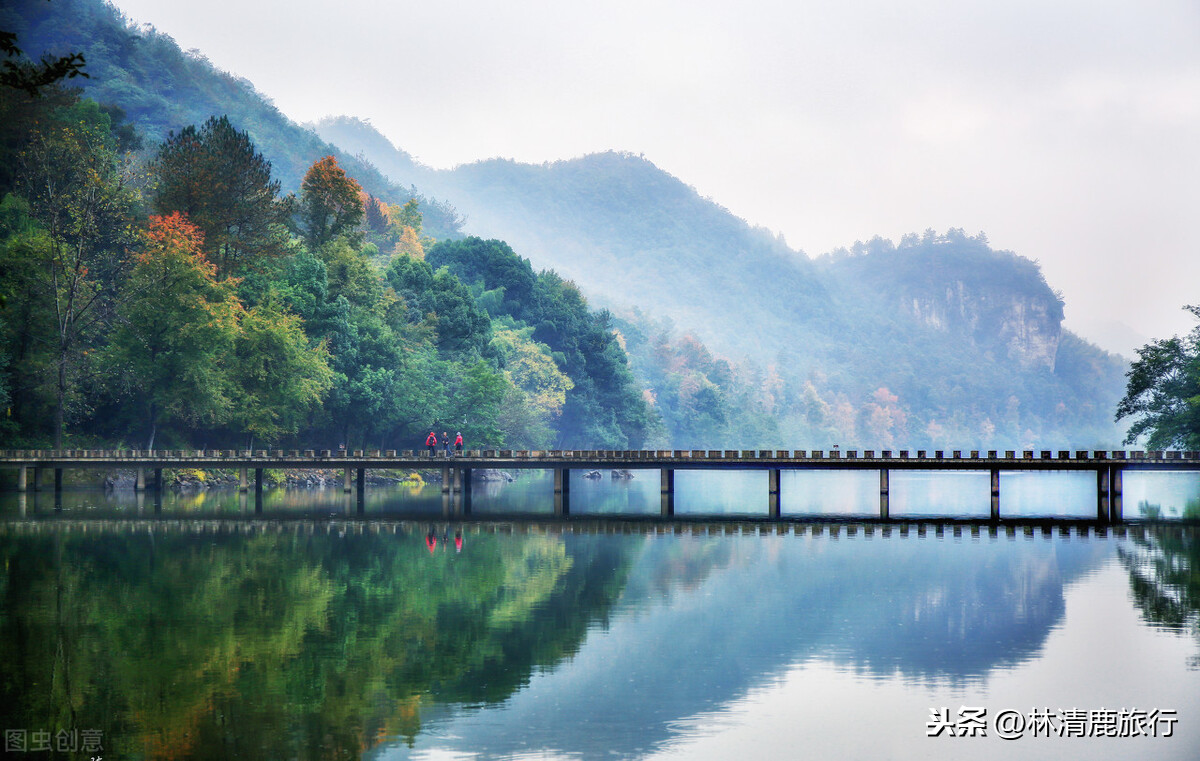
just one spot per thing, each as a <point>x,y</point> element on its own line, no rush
<point>1024,328</point>
<point>959,286</point>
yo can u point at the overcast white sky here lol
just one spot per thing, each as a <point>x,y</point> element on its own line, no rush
<point>1067,130</point>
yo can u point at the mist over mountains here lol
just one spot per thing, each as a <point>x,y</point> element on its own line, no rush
<point>967,338</point>
<point>935,340</point>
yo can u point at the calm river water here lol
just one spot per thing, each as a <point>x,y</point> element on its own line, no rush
<point>202,629</point>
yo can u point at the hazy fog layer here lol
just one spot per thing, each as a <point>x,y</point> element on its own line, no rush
<point>1064,129</point>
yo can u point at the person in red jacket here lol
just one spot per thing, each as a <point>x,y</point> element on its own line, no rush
<point>458,443</point>
<point>431,442</point>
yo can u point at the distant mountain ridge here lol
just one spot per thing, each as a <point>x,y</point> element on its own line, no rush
<point>961,331</point>
<point>968,339</point>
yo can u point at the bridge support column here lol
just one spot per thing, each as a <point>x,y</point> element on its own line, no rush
<point>22,476</point>
<point>37,478</point>
<point>1103,499</point>
<point>58,475</point>
<point>667,492</point>
<point>243,480</point>
<point>995,494</point>
<point>466,491</point>
<point>885,493</point>
<point>346,488</point>
<point>139,483</point>
<point>1116,512</point>
<point>360,491</point>
<point>158,481</point>
<point>447,474</point>
<point>258,491</point>
<point>773,492</point>
<point>562,491</point>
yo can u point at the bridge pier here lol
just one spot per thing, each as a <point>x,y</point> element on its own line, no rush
<point>773,492</point>
<point>346,487</point>
<point>995,494</point>
<point>562,491</point>
<point>885,493</point>
<point>667,492</point>
<point>1102,501</point>
<point>466,490</point>
<point>446,476</point>
<point>139,483</point>
<point>37,479</point>
<point>58,480</point>
<point>243,480</point>
<point>158,480</point>
<point>22,476</point>
<point>1116,512</point>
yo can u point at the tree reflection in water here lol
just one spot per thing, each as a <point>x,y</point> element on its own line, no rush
<point>282,645</point>
<point>1164,577</point>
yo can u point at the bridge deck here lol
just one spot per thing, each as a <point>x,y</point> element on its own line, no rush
<point>607,459</point>
<point>456,469</point>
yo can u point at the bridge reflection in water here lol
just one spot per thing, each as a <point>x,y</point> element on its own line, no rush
<point>1103,468</point>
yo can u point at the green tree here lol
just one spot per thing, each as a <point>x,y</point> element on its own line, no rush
<point>68,173</point>
<point>531,368</point>
<point>1163,392</point>
<point>277,377</point>
<point>179,325</point>
<point>215,176</point>
<point>443,302</point>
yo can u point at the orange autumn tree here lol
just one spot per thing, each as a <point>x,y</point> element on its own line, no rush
<point>330,202</point>
<point>178,327</point>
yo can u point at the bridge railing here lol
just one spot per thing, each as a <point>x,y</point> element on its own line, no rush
<point>218,455</point>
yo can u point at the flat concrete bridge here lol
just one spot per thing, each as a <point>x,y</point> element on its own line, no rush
<point>1108,466</point>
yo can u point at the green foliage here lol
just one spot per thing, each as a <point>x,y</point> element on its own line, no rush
<point>178,332</point>
<point>604,407</point>
<point>1163,394</point>
<point>215,176</point>
<point>72,228</point>
<point>443,303</point>
<point>278,379</point>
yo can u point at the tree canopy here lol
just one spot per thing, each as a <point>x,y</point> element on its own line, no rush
<point>1163,394</point>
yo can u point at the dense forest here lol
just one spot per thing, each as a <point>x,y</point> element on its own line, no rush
<point>183,299</point>
<point>305,295</point>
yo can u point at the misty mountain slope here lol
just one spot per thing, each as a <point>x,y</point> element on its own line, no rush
<point>635,235</point>
<point>629,233</point>
<point>970,339</point>
<point>162,90</point>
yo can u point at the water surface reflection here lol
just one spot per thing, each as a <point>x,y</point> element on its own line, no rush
<point>305,639</point>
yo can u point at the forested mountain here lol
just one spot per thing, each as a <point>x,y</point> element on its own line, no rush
<point>938,340</point>
<point>735,340</point>
<point>162,285</point>
<point>162,89</point>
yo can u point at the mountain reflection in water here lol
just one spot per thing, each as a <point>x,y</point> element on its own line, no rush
<point>268,640</point>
